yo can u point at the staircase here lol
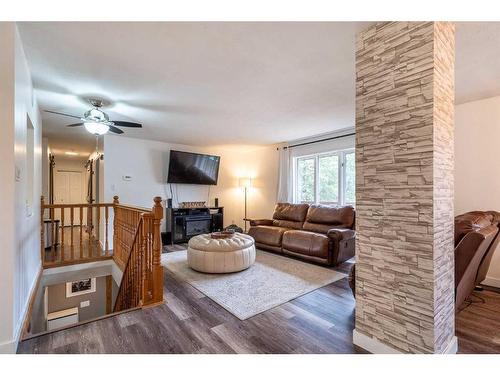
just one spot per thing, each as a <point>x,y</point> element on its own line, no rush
<point>81,233</point>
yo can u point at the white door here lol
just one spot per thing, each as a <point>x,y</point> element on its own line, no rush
<point>68,189</point>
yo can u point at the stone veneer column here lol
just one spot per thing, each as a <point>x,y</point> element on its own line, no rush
<point>404,188</point>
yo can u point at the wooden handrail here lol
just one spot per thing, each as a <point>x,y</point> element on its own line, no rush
<point>76,205</point>
<point>142,280</point>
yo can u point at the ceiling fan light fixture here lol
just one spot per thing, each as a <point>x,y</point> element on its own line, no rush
<point>96,115</point>
<point>96,128</point>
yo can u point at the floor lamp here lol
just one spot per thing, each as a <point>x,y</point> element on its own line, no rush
<point>246,183</point>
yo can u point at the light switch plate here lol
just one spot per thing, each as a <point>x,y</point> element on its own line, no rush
<point>84,303</point>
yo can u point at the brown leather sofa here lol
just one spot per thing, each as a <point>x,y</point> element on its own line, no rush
<point>317,233</point>
<point>477,235</point>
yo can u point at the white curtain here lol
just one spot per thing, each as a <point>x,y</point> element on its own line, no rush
<point>284,175</point>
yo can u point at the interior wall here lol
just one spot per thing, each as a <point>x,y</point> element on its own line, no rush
<point>57,300</point>
<point>260,163</point>
<point>477,170</point>
<point>7,172</point>
<point>147,164</point>
<point>20,232</point>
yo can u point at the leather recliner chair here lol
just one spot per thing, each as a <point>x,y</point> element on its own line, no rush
<point>477,235</point>
<point>486,261</point>
<point>317,233</point>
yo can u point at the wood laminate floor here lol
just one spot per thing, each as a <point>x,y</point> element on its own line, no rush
<point>478,325</point>
<point>189,322</point>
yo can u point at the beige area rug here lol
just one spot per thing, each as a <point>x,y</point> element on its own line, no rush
<point>271,281</point>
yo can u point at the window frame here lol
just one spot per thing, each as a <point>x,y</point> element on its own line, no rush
<point>296,181</point>
<point>341,176</point>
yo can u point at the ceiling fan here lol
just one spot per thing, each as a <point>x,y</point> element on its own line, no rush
<point>97,122</point>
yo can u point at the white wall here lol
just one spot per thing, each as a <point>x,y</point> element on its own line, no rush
<point>20,232</point>
<point>477,166</point>
<point>147,163</point>
<point>7,193</point>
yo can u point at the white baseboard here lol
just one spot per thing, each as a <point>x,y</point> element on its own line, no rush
<point>11,346</point>
<point>492,281</point>
<point>372,345</point>
<point>376,347</point>
<point>8,347</point>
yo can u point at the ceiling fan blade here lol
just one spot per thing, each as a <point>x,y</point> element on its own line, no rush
<point>73,125</point>
<point>115,130</point>
<point>127,124</point>
<point>60,113</point>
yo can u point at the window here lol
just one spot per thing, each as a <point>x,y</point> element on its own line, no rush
<point>306,180</point>
<point>326,178</point>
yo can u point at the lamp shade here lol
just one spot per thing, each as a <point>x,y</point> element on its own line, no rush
<point>245,182</point>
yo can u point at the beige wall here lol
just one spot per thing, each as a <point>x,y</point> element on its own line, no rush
<point>477,166</point>
<point>257,162</point>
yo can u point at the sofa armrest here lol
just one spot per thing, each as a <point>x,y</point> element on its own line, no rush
<point>341,234</point>
<point>342,244</point>
<point>254,223</point>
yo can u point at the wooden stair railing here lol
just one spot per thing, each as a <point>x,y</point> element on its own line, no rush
<point>138,253</point>
<point>80,233</point>
<point>77,233</point>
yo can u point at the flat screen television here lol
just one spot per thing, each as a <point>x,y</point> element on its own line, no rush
<point>191,168</point>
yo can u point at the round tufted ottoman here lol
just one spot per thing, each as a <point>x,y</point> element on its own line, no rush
<point>206,254</point>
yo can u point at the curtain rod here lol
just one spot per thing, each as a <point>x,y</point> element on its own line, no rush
<point>319,140</point>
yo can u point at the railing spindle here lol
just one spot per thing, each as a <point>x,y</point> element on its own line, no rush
<point>72,246</point>
<point>53,233</point>
<point>81,232</point>
<point>62,247</point>
<point>106,243</point>
<point>89,230</point>
<point>98,231</point>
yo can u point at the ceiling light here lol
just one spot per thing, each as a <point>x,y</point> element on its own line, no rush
<point>71,153</point>
<point>96,128</point>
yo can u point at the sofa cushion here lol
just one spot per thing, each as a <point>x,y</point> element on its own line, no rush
<point>268,235</point>
<point>306,243</point>
<point>321,218</point>
<point>290,215</point>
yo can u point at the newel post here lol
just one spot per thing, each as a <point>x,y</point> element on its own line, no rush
<point>42,230</point>
<point>116,250</point>
<point>157,245</point>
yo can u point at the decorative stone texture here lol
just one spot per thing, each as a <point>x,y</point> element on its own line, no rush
<point>404,185</point>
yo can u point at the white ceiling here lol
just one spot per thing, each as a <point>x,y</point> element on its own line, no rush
<point>220,83</point>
